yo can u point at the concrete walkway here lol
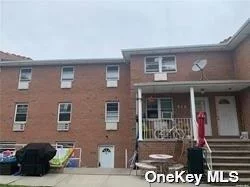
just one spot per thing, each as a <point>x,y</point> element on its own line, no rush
<point>89,177</point>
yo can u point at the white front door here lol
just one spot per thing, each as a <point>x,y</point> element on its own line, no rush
<point>106,156</point>
<point>227,116</point>
<point>202,105</point>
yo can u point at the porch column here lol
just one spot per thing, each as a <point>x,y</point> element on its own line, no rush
<point>193,111</point>
<point>139,94</point>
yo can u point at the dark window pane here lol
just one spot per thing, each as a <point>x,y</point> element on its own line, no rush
<point>152,104</point>
<point>65,107</point>
<point>112,68</point>
<point>21,117</point>
<point>22,109</point>
<point>166,104</point>
<point>112,106</point>
<point>64,117</point>
<point>152,113</point>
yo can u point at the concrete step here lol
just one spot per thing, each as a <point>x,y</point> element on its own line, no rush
<point>231,166</point>
<point>231,154</point>
<point>244,153</point>
<point>228,141</point>
<point>243,182</point>
<point>242,173</point>
<point>230,146</point>
<point>235,159</point>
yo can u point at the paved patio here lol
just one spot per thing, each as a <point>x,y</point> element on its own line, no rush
<point>89,177</point>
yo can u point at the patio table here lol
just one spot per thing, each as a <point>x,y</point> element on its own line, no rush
<point>161,159</point>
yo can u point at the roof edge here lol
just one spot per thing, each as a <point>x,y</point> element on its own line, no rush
<point>62,62</point>
<point>193,83</point>
<point>227,46</point>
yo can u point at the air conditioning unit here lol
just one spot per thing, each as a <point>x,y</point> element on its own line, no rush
<point>23,85</point>
<point>66,84</point>
<point>111,125</point>
<point>112,83</point>
<point>160,77</point>
<point>18,127</point>
<point>63,126</point>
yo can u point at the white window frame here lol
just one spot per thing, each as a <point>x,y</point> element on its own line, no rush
<point>21,122</point>
<point>159,107</point>
<point>58,111</point>
<point>107,72</point>
<point>66,142</point>
<point>159,64</point>
<point>62,73</point>
<point>106,104</point>
<point>20,72</point>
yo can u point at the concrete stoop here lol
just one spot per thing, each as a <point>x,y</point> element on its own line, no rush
<point>231,155</point>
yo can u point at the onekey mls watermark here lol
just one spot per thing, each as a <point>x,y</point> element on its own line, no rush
<point>184,177</point>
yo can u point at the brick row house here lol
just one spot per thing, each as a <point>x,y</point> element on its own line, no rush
<point>105,106</point>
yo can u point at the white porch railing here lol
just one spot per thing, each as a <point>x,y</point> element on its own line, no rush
<point>167,128</point>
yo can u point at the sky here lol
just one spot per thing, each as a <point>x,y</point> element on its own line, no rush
<point>74,29</point>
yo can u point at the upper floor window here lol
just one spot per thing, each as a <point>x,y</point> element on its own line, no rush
<point>112,112</point>
<point>67,76</point>
<point>21,113</point>
<point>67,73</point>
<point>112,75</point>
<point>24,78</point>
<point>157,64</point>
<point>160,108</point>
<point>64,112</point>
<point>112,72</point>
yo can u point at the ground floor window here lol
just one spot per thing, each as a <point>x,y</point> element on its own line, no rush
<point>66,144</point>
<point>7,145</point>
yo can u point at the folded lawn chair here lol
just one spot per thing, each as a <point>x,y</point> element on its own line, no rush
<point>61,158</point>
<point>175,164</point>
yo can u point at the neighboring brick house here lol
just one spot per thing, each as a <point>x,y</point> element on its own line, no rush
<point>11,57</point>
<point>100,105</point>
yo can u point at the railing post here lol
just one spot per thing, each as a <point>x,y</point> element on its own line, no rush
<point>192,99</point>
<point>139,94</point>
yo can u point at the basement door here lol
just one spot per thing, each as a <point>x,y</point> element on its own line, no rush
<point>227,116</point>
<point>202,105</point>
<point>106,156</point>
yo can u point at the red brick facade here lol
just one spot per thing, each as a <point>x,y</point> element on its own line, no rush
<point>89,94</point>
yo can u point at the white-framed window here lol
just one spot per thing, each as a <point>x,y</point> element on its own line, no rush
<point>64,112</point>
<point>21,113</point>
<point>112,72</point>
<point>24,78</point>
<point>159,107</point>
<point>7,145</point>
<point>159,64</point>
<point>25,74</point>
<point>112,112</point>
<point>66,144</point>
<point>67,73</point>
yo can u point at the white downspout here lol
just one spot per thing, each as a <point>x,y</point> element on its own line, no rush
<point>139,94</point>
<point>192,99</point>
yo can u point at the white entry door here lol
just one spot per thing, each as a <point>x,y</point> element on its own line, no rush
<point>106,156</point>
<point>202,105</point>
<point>227,116</point>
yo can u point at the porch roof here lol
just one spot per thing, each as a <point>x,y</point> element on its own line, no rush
<point>184,86</point>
